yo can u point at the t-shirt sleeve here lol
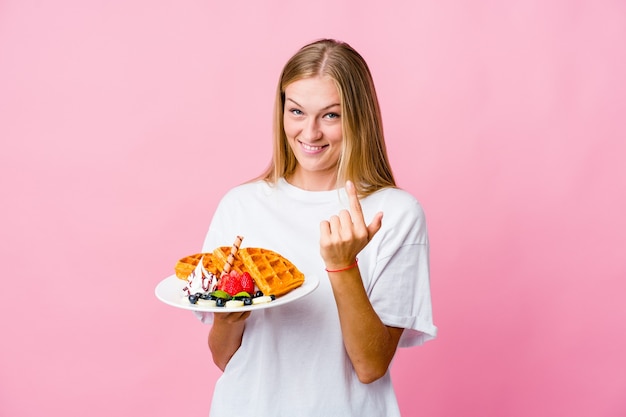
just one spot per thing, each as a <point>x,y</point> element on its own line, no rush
<point>400,287</point>
<point>215,237</point>
<point>227,219</point>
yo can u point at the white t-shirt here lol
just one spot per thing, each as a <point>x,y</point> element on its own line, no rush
<point>292,361</point>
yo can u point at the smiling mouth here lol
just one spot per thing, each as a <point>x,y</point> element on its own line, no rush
<point>309,148</point>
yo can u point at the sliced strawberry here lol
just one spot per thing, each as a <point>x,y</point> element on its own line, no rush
<point>225,278</point>
<point>232,286</point>
<point>222,281</point>
<point>247,283</point>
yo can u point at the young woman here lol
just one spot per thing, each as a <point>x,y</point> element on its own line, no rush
<point>328,202</point>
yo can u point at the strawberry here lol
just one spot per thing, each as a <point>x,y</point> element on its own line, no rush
<point>231,283</point>
<point>223,280</point>
<point>247,283</point>
<point>220,282</point>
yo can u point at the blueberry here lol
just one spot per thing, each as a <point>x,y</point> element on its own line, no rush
<point>258,294</point>
<point>273,297</point>
<point>193,298</point>
<point>205,296</point>
<point>220,302</point>
<point>247,301</point>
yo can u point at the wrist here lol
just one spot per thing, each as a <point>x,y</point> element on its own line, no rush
<point>344,268</point>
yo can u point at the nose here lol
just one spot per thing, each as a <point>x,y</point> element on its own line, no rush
<point>311,130</point>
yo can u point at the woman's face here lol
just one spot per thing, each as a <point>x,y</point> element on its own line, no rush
<point>312,120</point>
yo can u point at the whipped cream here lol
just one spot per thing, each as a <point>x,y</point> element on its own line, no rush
<point>200,280</point>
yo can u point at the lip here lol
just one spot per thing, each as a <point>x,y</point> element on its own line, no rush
<point>310,149</point>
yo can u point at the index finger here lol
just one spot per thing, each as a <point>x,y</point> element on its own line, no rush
<point>355,204</point>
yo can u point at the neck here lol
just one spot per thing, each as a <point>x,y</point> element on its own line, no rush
<point>307,182</point>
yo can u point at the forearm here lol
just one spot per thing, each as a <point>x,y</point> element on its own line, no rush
<point>370,344</point>
<point>224,340</point>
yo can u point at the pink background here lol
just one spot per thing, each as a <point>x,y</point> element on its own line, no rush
<point>123,122</point>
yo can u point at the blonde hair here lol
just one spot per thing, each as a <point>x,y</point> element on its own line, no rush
<point>364,158</point>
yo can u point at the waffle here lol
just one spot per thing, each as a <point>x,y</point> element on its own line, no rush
<point>272,273</point>
<point>185,266</point>
<point>220,256</point>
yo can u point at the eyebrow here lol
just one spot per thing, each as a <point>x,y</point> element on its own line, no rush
<point>325,108</point>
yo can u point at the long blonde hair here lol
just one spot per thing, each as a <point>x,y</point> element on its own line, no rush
<point>364,158</point>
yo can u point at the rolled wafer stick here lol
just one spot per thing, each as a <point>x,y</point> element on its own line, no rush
<point>231,256</point>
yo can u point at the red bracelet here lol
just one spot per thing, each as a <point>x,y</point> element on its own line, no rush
<point>356,261</point>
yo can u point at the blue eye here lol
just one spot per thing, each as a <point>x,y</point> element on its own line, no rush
<point>296,112</point>
<point>332,116</point>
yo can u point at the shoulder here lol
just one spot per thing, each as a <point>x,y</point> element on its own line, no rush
<point>247,190</point>
<point>395,200</point>
<point>403,216</point>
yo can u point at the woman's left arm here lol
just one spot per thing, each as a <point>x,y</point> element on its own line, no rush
<point>370,344</point>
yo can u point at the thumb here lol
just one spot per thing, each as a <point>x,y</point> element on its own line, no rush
<point>375,225</point>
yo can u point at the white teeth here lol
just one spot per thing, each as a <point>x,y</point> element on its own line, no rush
<point>311,148</point>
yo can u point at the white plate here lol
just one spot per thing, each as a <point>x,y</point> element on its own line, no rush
<point>170,291</point>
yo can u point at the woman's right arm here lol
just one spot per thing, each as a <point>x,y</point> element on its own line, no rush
<point>225,336</point>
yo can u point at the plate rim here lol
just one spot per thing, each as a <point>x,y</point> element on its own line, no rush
<point>311,282</point>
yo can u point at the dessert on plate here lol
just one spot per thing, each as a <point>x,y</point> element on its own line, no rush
<point>234,276</point>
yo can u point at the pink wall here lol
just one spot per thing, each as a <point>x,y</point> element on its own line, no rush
<point>123,122</point>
